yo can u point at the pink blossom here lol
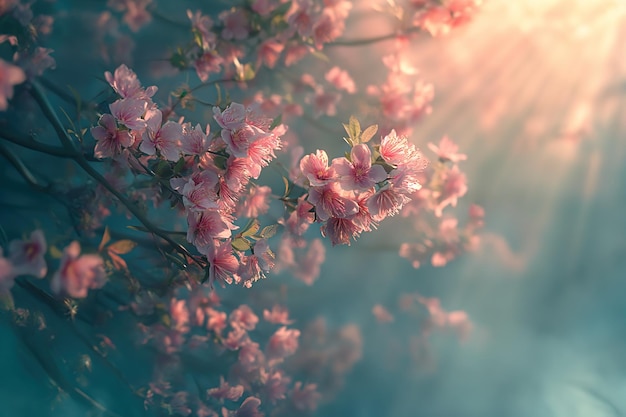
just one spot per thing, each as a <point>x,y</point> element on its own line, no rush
<point>275,385</point>
<point>210,62</point>
<point>326,28</point>
<point>243,317</point>
<point>166,139</point>
<point>447,150</point>
<point>269,51</point>
<point>249,408</point>
<point>249,271</point>
<point>250,356</point>
<point>264,7</point>
<point>330,201</point>
<point>216,320</point>
<point>382,314</point>
<point>307,269</point>
<point>454,186</point>
<point>202,24</point>
<point>200,195</point>
<point>315,168</point>
<point>283,343</point>
<point>10,75</point>
<point>27,256</point>
<point>340,230</point>
<point>395,149</point>
<point>300,17</point>
<point>236,24</point>
<point>340,79</point>
<point>35,62</point>
<point>359,174</point>
<point>325,102</point>
<point>386,202</point>
<point>129,112</point>
<point>111,140</point>
<point>305,398</point>
<point>180,315</point>
<point>226,391</point>
<point>300,219</point>
<point>278,315</point>
<point>206,226</point>
<point>78,274</point>
<point>238,141</point>
<point>223,263</point>
<point>295,52</point>
<point>125,83</point>
<point>256,202</point>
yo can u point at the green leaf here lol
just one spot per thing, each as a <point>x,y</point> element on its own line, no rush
<point>251,228</point>
<point>122,247</point>
<point>180,262</point>
<point>369,133</point>
<point>241,244</point>
<point>277,121</point>
<point>106,237</point>
<point>163,169</point>
<point>320,55</point>
<point>269,231</point>
<point>178,167</point>
<point>287,188</point>
<point>353,129</point>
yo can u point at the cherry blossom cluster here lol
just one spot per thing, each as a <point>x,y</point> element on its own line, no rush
<point>28,60</point>
<point>439,236</point>
<point>440,17</point>
<point>77,273</point>
<point>280,30</point>
<point>357,191</point>
<point>243,369</point>
<point>431,321</point>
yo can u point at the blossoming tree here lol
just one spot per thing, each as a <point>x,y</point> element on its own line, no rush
<point>173,195</point>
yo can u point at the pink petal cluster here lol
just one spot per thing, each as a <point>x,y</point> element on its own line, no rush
<point>10,76</point>
<point>78,273</point>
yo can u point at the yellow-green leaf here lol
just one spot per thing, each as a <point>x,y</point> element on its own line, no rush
<point>122,247</point>
<point>369,133</point>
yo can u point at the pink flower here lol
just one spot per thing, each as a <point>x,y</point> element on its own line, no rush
<point>340,79</point>
<point>202,24</point>
<point>278,315</point>
<point>199,192</point>
<point>243,317</point>
<point>78,274</point>
<point>236,24</point>
<point>111,140</point>
<point>447,150</point>
<point>226,391</point>
<point>454,186</point>
<point>27,256</point>
<point>195,141</point>
<point>329,201</point>
<point>305,398</point>
<point>166,139</point>
<point>315,168</point>
<point>10,75</point>
<point>249,408</point>
<point>216,321</point>
<point>256,202</point>
<point>340,231</point>
<point>359,174</point>
<point>269,51</point>
<point>206,226</point>
<point>210,62</point>
<point>238,141</point>
<point>283,343</point>
<point>300,219</point>
<point>325,102</point>
<point>307,269</point>
<point>233,117</point>
<point>125,83</point>
<point>129,112</point>
<point>394,149</point>
<point>275,385</point>
<point>180,315</point>
<point>386,202</point>
<point>223,263</point>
